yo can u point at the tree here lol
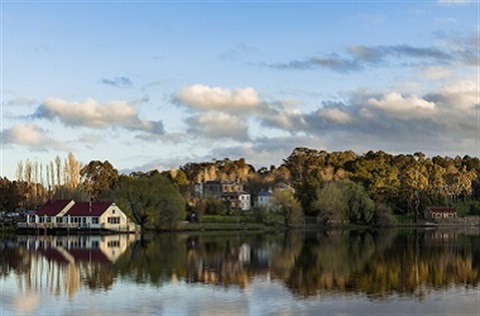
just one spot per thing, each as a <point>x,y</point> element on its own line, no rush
<point>151,200</point>
<point>285,203</point>
<point>99,178</point>
<point>344,201</point>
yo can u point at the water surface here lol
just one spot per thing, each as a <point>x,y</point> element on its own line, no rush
<point>391,272</point>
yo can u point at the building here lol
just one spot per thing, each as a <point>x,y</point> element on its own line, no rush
<point>433,213</point>
<point>218,188</point>
<point>239,200</point>
<point>263,199</point>
<point>229,192</point>
<point>68,214</point>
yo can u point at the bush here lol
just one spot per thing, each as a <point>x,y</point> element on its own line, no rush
<point>474,208</point>
<point>383,216</point>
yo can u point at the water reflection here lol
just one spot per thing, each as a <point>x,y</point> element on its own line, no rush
<point>377,265</point>
<point>62,264</point>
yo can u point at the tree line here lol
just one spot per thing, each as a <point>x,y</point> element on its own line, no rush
<point>330,186</point>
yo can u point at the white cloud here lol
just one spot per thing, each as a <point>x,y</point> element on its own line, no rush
<point>461,94</point>
<point>336,115</point>
<point>23,134</point>
<point>217,126</point>
<point>202,97</point>
<point>403,107</point>
<point>30,136</point>
<point>92,114</point>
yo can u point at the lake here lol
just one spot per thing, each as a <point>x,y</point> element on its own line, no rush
<point>387,272</point>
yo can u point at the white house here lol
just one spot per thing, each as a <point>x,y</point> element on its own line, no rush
<point>68,214</point>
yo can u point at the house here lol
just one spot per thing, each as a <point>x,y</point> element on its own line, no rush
<point>263,199</point>
<point>218,188</point>
<point>239,200</point>
<point>439,212</point>
<point>229,192</point>
<point>68,214</point>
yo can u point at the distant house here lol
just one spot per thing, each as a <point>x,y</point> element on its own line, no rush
<point>239,200</point>
<point>229,192</point>
<point>218,188</point>
<point>68,214</point>
<point>263,199</point>
<point>439,212</point>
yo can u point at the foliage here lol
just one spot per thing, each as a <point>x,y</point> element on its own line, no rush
<point>214,206</point>
<point>344,201</point>
<point>151,199</point>
<point>99,178</point>
<point>474,208</point>
<point>383,216</point>
<point>285,203</point>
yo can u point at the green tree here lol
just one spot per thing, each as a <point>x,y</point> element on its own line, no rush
<point>288,206</point>
<point>345,201</point>
<point>151,200</point>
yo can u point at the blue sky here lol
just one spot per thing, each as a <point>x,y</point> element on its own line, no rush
<point>150,84</point>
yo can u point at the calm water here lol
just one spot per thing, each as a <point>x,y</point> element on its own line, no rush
<point>336,273</point>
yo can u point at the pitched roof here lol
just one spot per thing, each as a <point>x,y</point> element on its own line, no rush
<point>52,208</point>
<point>88,208</point>
<point>442,209</point>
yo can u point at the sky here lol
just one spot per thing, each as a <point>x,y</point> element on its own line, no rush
<point>156,84</point>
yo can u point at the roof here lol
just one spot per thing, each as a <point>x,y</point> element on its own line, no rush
<point>265,193</point>
<point>52,208</point>
<point>88,208</point>
<point>442,209</point>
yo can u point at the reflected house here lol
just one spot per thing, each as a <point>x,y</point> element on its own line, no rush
<point>68,214</point>
<point>434,213</point>
<point>65,263</point>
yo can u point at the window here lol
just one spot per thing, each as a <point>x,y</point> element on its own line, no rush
<point>59,220</point>
<point>113,244</point>
<point>94,220</point>
<point>113,220</point>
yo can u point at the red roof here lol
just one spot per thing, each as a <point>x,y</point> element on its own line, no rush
<point>442,209</point>
<point>88,208</point>
<point>52,208</point>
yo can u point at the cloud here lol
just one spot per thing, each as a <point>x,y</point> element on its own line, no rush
<point>218,126</point>
<point>23,134</point>
<point>238,51</point>
<point>29,135</point>
<point>22,101</point>
<point>117,82</point>
<point>403,107</point>
<point>203,97</point>
<point>360,57</point>
<point>92,114</point>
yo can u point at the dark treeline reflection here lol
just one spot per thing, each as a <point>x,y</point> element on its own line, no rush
<point>377,264</point>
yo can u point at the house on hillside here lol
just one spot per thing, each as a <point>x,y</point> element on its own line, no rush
<point>68,214</point>
<point>432,213</point>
